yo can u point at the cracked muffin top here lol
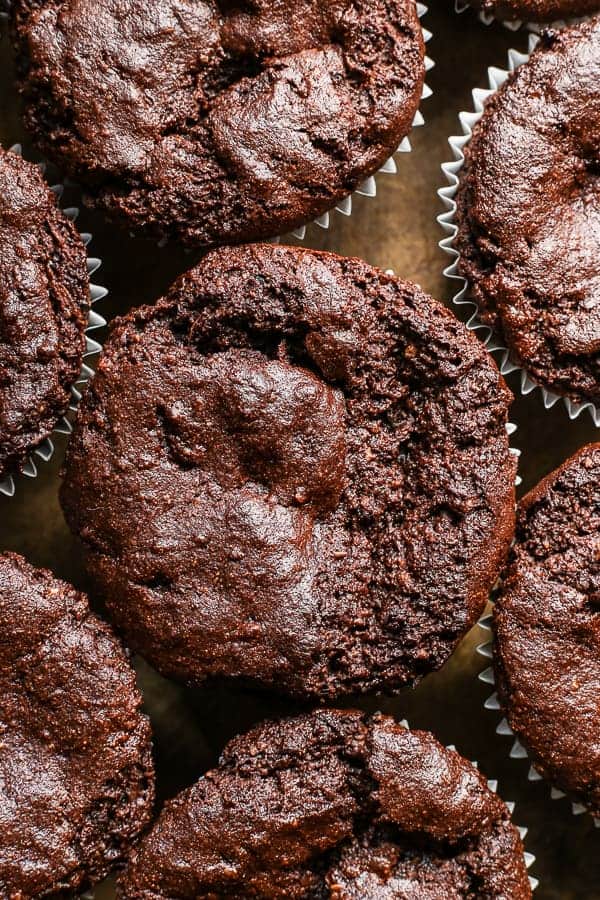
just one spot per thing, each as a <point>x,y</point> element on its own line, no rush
<point>293,469</point>
<point>529,212</point>
<point>547,628</point>
<point>76,772</point>
<point>333,806</point>
<point>215,122</point>
<point>44,303</point>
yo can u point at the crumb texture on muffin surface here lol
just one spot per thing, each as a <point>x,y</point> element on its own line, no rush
<point>282,468</point>
<point>76,771</point>
<point>547,628</point>
<point>44,303</point>
<point>218,122</point>
<point>529,212</point>
<point>332,806</point>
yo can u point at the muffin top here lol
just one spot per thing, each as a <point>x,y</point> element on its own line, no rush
<point>44,302</point>
<point>536,10</point>
<point>529,212</point>
<point>333,805</point>
<point>213,122</point>
<point>547,628</point>
<point>76,774</point>
<point>293,469</point>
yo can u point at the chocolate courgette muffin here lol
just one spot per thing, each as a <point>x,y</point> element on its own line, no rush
<point>547,628</point>
<point>44,303</point>
<point>333,805</point>
<point>293,469</point>
<point>76,772</point>
<point>529,212</point>
<point>536,10</point>
<point>213,122</point>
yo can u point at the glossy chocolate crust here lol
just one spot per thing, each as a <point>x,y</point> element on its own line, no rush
<point>536,10</point>
<point>215,122</point>
<point>332,806</point>
<point>293,469</point>
<point>76,772</point>
<point>529,212</point>
<point>547,628</point>
<point>44,302</point>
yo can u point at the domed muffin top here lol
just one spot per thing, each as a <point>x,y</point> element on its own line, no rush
<point>294,469</point>
<point>333,805</point>
<point>213,122</point>
<point>76,772</point>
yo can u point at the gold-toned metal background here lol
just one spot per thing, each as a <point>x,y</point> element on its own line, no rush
<point>396,230</point>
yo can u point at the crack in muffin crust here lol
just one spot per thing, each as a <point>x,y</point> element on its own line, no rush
<point>218,122</point>
<point>293,469</point>
<point>332,806</point>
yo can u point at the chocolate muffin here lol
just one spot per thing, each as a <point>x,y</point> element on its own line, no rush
<point>536,10</point>
<point>44,303</point>
<point>333,805</point>
<point>547,628</point>
<point>529,213</point>
<point>213,122</point>
<point>76,773</point>
<point>293,470</point>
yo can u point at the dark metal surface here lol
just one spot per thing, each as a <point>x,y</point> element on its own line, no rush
<point>396,230</point>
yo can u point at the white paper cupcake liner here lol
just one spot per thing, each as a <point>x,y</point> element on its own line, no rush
<point>513,24</point>
<point>510,805</point>
<point>447,220</point>
<point>517,751</point>
<point>45,450</point>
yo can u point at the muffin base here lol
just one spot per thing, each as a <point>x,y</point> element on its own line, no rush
<point>45,450</point>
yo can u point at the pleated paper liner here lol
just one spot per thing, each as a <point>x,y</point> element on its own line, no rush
<point>45,450</point>
<point>447,220</point>
<point>517,750</point>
